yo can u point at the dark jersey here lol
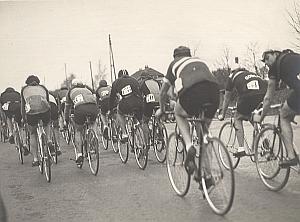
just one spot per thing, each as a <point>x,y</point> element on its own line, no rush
<point>10,96</point>
<point>150,89</point>
<point>79,95</point>
<point>183,72</point>
<point>246,83</point>
<point>103,92</point>
<point>124,87</point>
<point>62,93</point>
<point>287,68</point>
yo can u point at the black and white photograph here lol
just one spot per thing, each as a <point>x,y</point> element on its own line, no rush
<point>146,110</point>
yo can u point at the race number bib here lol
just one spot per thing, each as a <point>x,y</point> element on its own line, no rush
<point>5,106</point>
<point>27,108</point>
<point>253,85</point>
<point>150,98</point>
<point>78,99</point>
<point>104,93</point>
<point>178,84</point>
<point>64,99</point>
<point>126,90</point>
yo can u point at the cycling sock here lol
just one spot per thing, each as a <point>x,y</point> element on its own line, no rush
<point>241,149</point>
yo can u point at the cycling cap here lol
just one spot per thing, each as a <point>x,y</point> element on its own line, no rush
<point>76,82</point>
<point>103,83</point>
<point>123,72</point>
<point>9,89</point>
<point>181,51</point>
<point>31,79</point>
<point>269,51</point>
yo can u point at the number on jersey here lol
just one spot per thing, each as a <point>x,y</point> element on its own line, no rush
<point>150,98</point>
<point>126,90</point>
<point>5,106</point>
<point>78,99</point>
<point>253,85</point>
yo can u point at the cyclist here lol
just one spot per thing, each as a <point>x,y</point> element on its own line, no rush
<point>150,92</point>
<point>128,90</point>
<point>81,97</point>
<point>61,104</point>
<point>103,94</point>
<point>54,113</point>
<point>35,106</point>
<point>285,66</point>
<point>195,86</point>
<point>251,90</point>
<point>10,101</point>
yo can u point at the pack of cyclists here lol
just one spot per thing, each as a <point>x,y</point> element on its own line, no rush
<point>187,75</point>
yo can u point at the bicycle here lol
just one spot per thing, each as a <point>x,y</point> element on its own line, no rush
<point>269,151</point>
<point>44,152</point>
<point>227,134</point>
<point>158,137</point>
<point>54,142</point>
<point>215,182</point>
<point>89,147</point>
<point>3,131</point>
<point>18,139</point>
<point>136,141</point>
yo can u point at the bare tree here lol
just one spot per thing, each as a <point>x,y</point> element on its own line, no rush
<point>223,61</point>
<point>252,55</point>
<point>294,21</point>
<point>101,73</point>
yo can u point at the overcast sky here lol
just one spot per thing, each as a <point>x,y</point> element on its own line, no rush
<point>38,37</point>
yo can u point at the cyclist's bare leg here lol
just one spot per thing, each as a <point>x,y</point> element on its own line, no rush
<point>146,130</point>
<point>56,132</point>
<point>33,142</point>
<point>9,126</point>
<point>78,138</point>
<point>121,121</point>
<point>287,116</point>
<point>239,130</point>
<point>183,124</point>
<point>103,119</point>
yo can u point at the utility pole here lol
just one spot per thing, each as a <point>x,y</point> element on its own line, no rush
<point>67,84</point>
<point>112,62</point>
<point>92,76</point>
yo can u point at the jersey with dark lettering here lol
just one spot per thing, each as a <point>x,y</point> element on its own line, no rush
<point>150,89</point>
<point>246,83</point>
<point>103,93</point>
<point>79,95</point>
<point>183,72</point>
<point>124,87</point>
<point>287,68</point>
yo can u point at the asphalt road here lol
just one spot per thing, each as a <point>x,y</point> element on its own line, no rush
<point>125,193</point>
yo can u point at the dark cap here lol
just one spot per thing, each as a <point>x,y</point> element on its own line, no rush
<point>103,83</point>
<point>269,51</point>
<point>31,79</point>
<point>182,51</point>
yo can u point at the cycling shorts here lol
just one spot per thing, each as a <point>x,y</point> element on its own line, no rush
<point>32,120</point>
<point>248,104</point>
<point>84,110</point>
<point>132,104</point>
<point>54,111</point>
<point>149,107</point>
<point>14,109</point>
<point>198,94</point>
<point>293,101</point>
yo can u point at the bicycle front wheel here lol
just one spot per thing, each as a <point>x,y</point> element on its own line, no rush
<point>219,190</point>
<point>140,148</point>
<point>228,137</point>
<point>160,142</point>
<point>269,151</point>
<point>179,178</point>
<point>93,151</point>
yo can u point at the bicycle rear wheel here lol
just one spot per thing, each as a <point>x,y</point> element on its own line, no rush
<point>140,148</point>
<point>122,147</point>
<point>269,151</point>
<point>18,142</point>
<point>113,136</point>
<point>46,159</point>
<point>160,135</point>
<point>228,137</point>
<point>54,145</point>
<point>219,191</point>
<point>93,151</point>
<point>179,178</point>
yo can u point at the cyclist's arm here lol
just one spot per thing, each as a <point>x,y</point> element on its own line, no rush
<point>227,99</point>
<point>268,97</point>
<point>164,94</point>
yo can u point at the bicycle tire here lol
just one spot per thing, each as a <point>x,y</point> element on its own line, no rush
<point>18,143</point>
<point>228,137</point>
<point>140,148</point>
<point>40,155</point>
<point>179,178</point>
<point>93,151</point>
<point>221,194</point>
<point>113,136</point>
<point>46,159</point>
<point>54,144</point>
<point>269,150</point>
<point>160,146</point>
<point>129,128</point>
<point>122,147</point>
